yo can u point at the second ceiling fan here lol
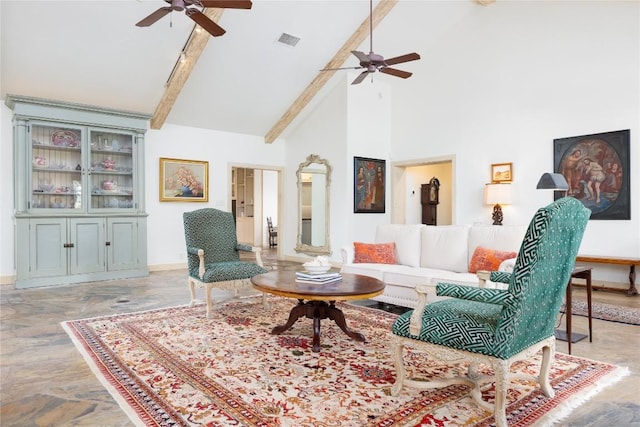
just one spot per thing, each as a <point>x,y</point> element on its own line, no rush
<point>374,62</point>
<point>195,14</point>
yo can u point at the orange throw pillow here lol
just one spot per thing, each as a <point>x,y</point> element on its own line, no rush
<point>488,259</point>
<point>378,253</point>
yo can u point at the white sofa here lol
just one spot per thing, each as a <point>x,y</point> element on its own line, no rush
<point>427,255</point>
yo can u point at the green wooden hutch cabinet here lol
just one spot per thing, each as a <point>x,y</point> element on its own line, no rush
<point>79,193</point>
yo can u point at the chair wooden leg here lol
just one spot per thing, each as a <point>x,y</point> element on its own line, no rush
<point>501,368</point>
<point>401,373</point>
<point>548,354</point>
<point>192,290</point>
<point>208,288</point>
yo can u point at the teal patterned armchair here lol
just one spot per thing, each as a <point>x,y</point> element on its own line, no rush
<point>493,326</point>
<point>213,256</point>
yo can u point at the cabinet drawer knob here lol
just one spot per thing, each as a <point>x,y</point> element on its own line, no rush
<point>108,243</point>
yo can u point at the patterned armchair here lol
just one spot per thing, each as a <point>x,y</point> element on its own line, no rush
<point>213,257</point>
<point>497,327</point>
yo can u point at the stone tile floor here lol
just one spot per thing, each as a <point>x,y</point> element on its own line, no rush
<point>45,382</point>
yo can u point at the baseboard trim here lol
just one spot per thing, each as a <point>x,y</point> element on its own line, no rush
<point>167,267</point>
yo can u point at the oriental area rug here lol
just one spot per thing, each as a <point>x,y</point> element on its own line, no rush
<point>608,312</point>
<point>176,367</point>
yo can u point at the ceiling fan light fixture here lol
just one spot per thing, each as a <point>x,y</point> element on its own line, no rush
<point>374,62</point>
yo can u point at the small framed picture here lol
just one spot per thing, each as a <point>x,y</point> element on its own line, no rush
<point>501,172</point>
<point>184,180</point>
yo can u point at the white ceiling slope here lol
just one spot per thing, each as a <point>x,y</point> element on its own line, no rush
<point>91,52</point>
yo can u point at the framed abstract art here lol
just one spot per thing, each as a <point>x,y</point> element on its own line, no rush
<point>597,169</point>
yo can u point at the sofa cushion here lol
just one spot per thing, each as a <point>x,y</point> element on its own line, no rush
<point>380,253</point>
<point>444,247</point>
<point>366,269</point>
<point>488,259</point>
<point>499,237</point>
<point>407,240</point>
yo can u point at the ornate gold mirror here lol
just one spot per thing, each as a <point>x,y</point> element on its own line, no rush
<point>314,181</point>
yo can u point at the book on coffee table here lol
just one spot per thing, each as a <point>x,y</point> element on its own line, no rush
<point>317,278</point>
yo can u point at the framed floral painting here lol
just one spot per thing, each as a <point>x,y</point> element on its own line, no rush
<point>184,180</point>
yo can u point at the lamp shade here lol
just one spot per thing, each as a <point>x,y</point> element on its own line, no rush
<point>552,181</point>
<point>497,194</point>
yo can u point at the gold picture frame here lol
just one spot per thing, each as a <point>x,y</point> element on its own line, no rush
<point>184,180</point>
<point>502,172</point>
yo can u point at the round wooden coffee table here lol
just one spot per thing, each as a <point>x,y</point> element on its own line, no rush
<point>320,299</point>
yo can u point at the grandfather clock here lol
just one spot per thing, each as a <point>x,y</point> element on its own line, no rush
<point>429,201</point>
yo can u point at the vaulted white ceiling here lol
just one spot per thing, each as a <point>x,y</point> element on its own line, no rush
<point>91,52</point>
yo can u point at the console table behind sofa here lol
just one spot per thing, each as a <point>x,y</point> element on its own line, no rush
<point>631,262</point>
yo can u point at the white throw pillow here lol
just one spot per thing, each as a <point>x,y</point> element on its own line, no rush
<point>406,238</point>
<point>445,247</point>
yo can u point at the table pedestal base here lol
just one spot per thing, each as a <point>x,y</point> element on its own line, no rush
<point>317,310</point>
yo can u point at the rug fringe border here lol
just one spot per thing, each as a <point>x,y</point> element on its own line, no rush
<point>564,409</point>
<point>120,400</point>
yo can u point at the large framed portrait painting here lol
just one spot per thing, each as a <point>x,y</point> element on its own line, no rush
<point>597,170</point>
<point>369,185</point>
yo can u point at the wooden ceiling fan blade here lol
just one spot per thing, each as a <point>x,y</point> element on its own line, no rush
<point>206,23</point>
<point>227,4</point>
<point>394,72</point>
<point>403,58</point>
<point>360,77</point>
<point>154,17</point>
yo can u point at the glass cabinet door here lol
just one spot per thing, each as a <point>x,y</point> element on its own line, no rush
<point>56,170</point>
<point>111,174</point>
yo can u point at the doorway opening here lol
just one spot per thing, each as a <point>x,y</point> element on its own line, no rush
<point>407,178</point>
<point>254,196</point>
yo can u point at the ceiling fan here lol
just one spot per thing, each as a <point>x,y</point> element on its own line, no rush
<point>195,14</point>
<point>374,62</point>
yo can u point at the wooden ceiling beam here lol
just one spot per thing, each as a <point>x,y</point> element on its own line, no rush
<point>181,72</point>
<point>381,10</point>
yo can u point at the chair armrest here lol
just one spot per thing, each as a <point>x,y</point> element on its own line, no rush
<point>192,250</point>
<point>493,276</point>
<point>470,293</point>
<point>415,323</point>
<point>254,249</point>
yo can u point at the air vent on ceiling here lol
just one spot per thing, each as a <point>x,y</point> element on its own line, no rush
<point>288,39</point>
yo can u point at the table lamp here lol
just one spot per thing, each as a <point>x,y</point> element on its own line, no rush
<point>496,195</point>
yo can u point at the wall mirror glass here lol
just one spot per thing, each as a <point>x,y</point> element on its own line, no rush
<point>314,181</point>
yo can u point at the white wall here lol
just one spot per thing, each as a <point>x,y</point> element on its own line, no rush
<point>323,132</point>
<point>166,233</point>
<point>500,86</point>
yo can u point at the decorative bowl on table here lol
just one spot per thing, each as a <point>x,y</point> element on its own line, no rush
<point>316,269</point>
